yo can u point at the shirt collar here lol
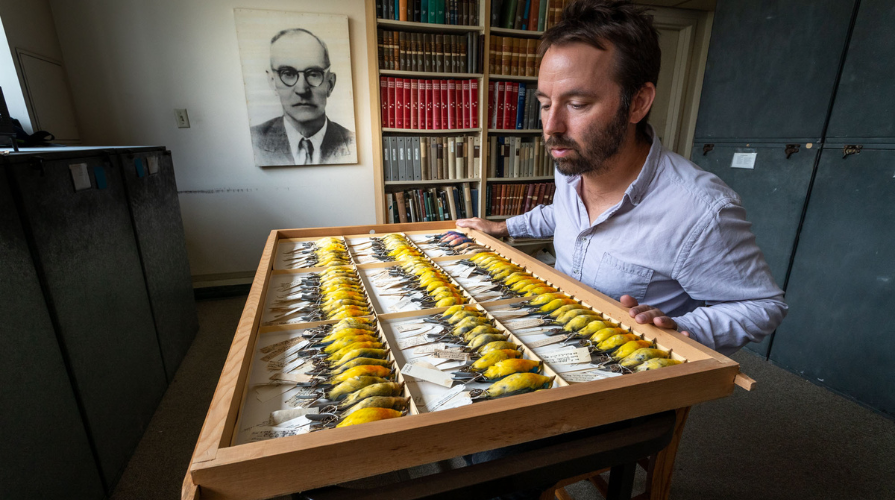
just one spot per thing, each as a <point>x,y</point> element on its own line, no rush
<point>637,190</point>
<point>295,136</point>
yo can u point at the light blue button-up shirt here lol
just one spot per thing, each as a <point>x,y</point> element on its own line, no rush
<point>678,240</point>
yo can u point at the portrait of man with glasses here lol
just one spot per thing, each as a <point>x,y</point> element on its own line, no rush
<point>301,75</point>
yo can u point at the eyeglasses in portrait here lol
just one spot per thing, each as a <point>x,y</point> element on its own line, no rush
<point>297,73</point>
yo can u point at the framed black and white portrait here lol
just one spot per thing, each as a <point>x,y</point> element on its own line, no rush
<point>297,73</point>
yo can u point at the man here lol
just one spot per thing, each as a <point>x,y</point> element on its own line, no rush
<point>630,218</point>
<point>300,75</point>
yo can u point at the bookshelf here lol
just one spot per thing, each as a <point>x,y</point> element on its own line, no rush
<point>479,135</point>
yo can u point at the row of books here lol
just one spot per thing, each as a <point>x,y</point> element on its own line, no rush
<point>431,158</point>
<point>510,56</point>
<point>513,106</point>
<point>433,204</point>
<point>456,12</point>
<point>516,199</point>
<point>404,51</point>
<point>414,104</point>
<point>514,157</point>
<point>531,15</point>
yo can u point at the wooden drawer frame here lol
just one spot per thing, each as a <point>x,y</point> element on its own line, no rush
<point>285,465</point>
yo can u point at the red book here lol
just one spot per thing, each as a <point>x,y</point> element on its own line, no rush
<point>507,106</point>
<point>414,104</point>
<point>444,104</point>
<point>551,188</point>
<point>534,14</point>
<point>421,104</point>
<point>407,103</point>
<point>435,99</point>
<point>491,103</point>
<point>474,103</point>
<point>399,103</point>
<point>514,106</point>
<point>539,195</point>
<point>452,104</point>
<point>529,198</point>
<point>500,104</point>
<point>430,124</point>
<point>467,106</point>
<point>383,100</point>
<point>391,102</point>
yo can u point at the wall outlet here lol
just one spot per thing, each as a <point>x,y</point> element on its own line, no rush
<point>182,119</point>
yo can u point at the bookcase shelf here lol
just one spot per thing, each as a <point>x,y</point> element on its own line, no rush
<point>509,131</point>
<point>430,182</point>
<point>516,33</point>
<point>428,27</point>
<point>480,185</point>
<point>432,131</point>
<point>428,74</point>
<point>514,78</point>
<point>521,179</point>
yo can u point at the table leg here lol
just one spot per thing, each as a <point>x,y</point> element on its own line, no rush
<point>659,479</point>
<point>621,481</point>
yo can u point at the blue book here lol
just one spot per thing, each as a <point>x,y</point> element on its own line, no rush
<point>475,202</point>
<point>520,107</point>
<point>397,10</point>
<point>526,15</point>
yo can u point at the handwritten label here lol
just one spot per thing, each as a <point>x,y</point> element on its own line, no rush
<point>569,355</point>
<point>401,304</point>
<point>428,374</point>
<point>588,376</point>
<point>281,416</point>
<point>300,398</point>
<point>447,396</point>
<point>524,323</point>
<point>284,345</point>
<point>410,326</point>
<point>295,365</point>
<point>461,400</point>
<point>413,341</point>
<point>296,378</point>
<point>429,349</point>
<point>452,354</point>
<point>548,341</point>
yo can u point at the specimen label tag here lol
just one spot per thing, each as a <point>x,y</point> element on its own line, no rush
<point>461,400</point>
<point>589,376</point>
<point>429,349</point>
<point>447,396</point>
<point>548,341</point>
<point>452,354</point>
<point>568,355</point>
<point>428,374</point>
<point>413,341</point>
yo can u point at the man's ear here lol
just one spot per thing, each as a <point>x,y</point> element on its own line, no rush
<point>642,102</point>
<point>332,84</point>
<point>270,80</point>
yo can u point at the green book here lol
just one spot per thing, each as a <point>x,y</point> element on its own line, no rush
<point>509,14</point>
<point>542,15</point>
<point>424,11</point>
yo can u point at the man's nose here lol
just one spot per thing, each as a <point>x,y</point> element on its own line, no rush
<point>301,85</point>
<point>553,121</point>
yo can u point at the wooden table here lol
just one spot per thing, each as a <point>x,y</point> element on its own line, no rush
<point>220,469</point>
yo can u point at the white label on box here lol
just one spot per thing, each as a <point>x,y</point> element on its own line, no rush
<point>285,416</point>
<point>449,395</point>
<point>411,326</point>
<point>589,375</point>
<point>429,349</point>
<point>80,176</point>
<point>743,160</point>
<point>414,341</point>
<point>428,374</point>
<point>569,355</point>
<point>461,400</point>
<point>152,163</point>
<point>548,341</point>
<point>452,354</point>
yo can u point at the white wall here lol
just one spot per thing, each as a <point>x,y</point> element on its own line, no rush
<point>132,62</point>
<point>28,25</point>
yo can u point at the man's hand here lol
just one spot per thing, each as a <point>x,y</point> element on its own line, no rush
<point>493,228</point>
<point>648,314</point>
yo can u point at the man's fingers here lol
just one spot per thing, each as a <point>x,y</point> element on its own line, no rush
<point>648,316</point>
<point>685,334</point>
<point>634,311</point>
<point>628,301</point>
<point>664,322</point>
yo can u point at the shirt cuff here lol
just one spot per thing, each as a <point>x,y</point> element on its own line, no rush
<point>517,227</point>
<point>695,332</point>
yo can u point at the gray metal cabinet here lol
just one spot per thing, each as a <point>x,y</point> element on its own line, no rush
<point>155,209</point>
<point>87,259</point>
<point>865,105</point>
<point>45,452</point>
<point>842,285</point>
<point>771,68</point>
<point>773,194</point>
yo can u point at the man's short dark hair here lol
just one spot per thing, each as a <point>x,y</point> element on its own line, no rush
<point>624,25</point>
<point>302,30</point>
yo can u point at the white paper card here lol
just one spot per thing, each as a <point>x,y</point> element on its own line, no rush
<point>152,162</point>
<point>743,160</point>
<point>278,417</point>
<point>569,355</point>
<point>80,176</point>
<point>461,400</point>
<point>589,375</point>
<point>556,339</point>
<point>428,374</point>
<point>446,397</point>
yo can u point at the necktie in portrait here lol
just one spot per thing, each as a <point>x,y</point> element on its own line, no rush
<point>305,150</point>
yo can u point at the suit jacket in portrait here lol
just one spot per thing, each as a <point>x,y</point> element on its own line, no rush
<point>271,144</point>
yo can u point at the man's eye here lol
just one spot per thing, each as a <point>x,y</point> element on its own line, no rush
<point>575,105</point>
<point>288,72</point>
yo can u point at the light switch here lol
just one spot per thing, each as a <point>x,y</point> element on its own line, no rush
<point>183,119</point>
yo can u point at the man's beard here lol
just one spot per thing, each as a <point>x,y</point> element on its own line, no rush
<point>600,144</point>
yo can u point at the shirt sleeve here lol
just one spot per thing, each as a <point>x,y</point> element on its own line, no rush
<point>536,223</point>
<point>722,266</point>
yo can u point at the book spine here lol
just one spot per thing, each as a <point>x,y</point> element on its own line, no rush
<point>383,100</point>
<point>474,103</point>
<point>520,107</point>
<point>467,105</point>
<point>443,84</point>
<point>392,84</point>
<point>399,103</point>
